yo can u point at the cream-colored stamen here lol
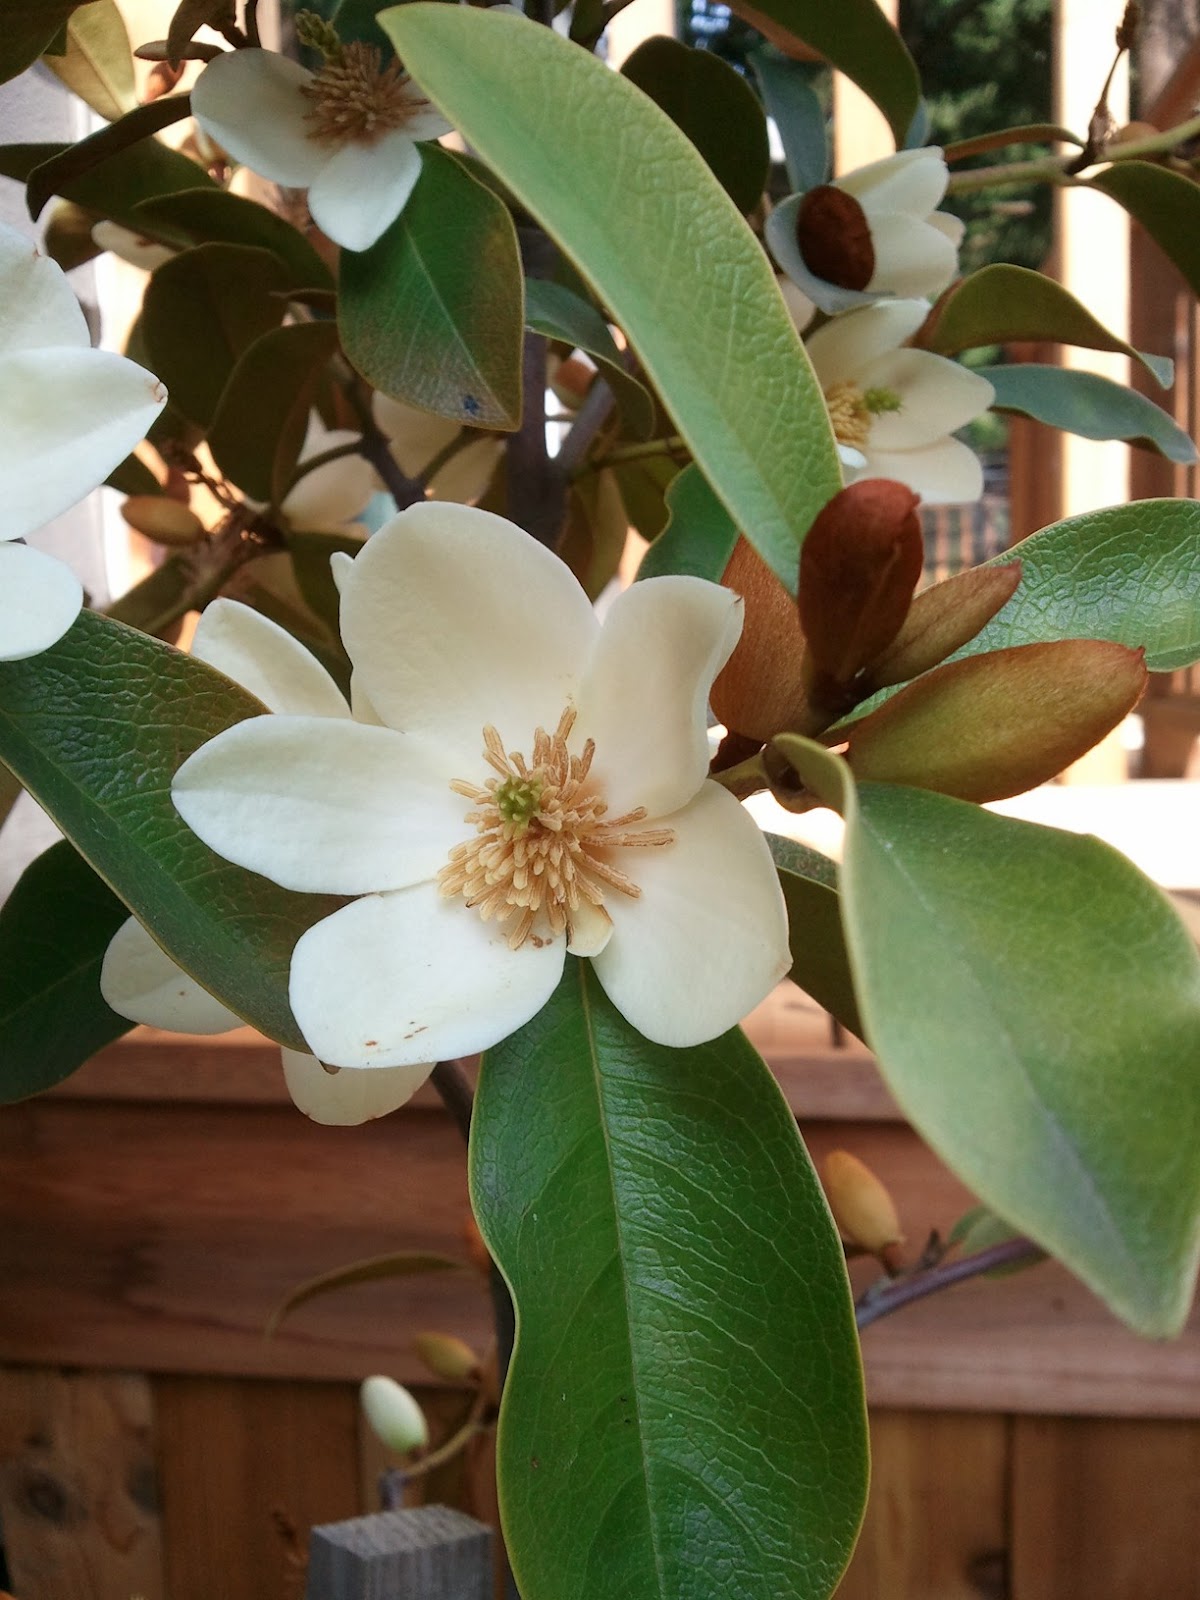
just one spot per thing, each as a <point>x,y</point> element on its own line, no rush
<point>851,410</point>
<point>355,100</point>
<point>542,838</point>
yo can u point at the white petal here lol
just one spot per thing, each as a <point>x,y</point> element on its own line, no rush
<point>456,619</point>
<point>936,396</point>
<point>591,929</point>
<point>126,245</point>
<point>266,660</point>
<point>341,565</point>
<point>467,474</point>
<point>333,494</point>
<point>399,978</point>
<point>37,304</point>
<point>911,258</point>
<point>320,805</point>
<point>362,189</point>
<point>707,940</point>
<point>67,417</point>
<point>800,308</point>
<point>911,180</point>
<point>946,222</point>
<point>945,473</point>
<point>250,101</point>
<point>415,436</point>
<point>424,120</point>
<point>141,982</point>
<point>644,697</point>
<point>843,347</point>
<point>39,600</point>
<point>342,1097</point>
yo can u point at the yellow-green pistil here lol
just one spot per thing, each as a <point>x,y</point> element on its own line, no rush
<point>852,409</point>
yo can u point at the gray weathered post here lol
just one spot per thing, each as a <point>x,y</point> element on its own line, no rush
<point>429,1553</point>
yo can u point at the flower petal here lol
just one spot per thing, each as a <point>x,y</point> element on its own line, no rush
<point>911,180</point>
<point>39,600</point>
<point>342,1097</point>
<point>936,397</point>
<point>424,120</point>
<point>399,978</point>
<point>320,805</point>
<point>415,437</point>
<point>334,493</point>
<point>251,102</point>
<point>946,473</point>
<point>911,258</point>
<point>264,658</point>
<point>780,234</point>
<point>67,417</point>
<point>362,189</point>
<point>591,929</point>
<point>455,619</point>
<point>644,697</point>
<point>842,348</point>
<point>37,305</point>
<point>141,982</point>
<point>707,940</point>
<point>946,222</point>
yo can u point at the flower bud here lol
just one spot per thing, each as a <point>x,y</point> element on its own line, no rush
<point>759,691</point>
<point>995,725</point>
<point>163,519</point>
<point>861,1205</point>
<point>942,620</point>
<point>447,1357</point>
<point>835,238</point>
<point>394,1416</point>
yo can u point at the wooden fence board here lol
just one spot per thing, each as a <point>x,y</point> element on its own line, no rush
<point>78,1495</point>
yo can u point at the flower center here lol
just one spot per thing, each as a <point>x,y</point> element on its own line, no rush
<point>355,99</point>
<point>851,410</point>
<point>539,858</point>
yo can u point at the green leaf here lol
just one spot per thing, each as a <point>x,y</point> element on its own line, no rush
<point>115,187</point>
<point>258,430</point>
<point>95,728</point>
<point>644,483</point>
<point>1165,203</point>
<point>310,553</point>
<point>668,255</point>
<point>1089,405</point>
<point>98,63</point>
<point>375,1269</point>
<point>133,476</point>
<point>820,963</point>
<point>30,28</point>
<point>201,312</point>
<point>54,930</point>
<point>1128,573</point>
<point>1034,1004</point>
<point>213,216</point>
<point>159,601</point>
<point>91,158</point>
<point>714,106</point>
<point>684,1403</point>
<point>1000,304</point>
<point>698,541</point>
<point>432,313</point>
<point>855,37</point>
<point>552,309</point>
<point>190,15</point>
<point>797,113</point>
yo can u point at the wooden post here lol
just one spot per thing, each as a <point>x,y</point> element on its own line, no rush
<point>431,1553</point>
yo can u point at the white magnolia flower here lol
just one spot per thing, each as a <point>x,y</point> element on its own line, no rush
<point>347,134</point>
<point>141,982</point>
<point>131,247</point>
<point>537,783</point>
<point>68,415</point>
<point>335,493</point>
<point>416,437</point>
<point>893,408</point>
<point>886,238</point>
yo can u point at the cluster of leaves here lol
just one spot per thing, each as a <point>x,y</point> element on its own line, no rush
<point>685,1401</point>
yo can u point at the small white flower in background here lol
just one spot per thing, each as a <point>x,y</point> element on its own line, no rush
<point>893,408</point>
<point>68,415</point>
<point>394,1416</point>
<point>133,248</point>
<point>416,437</point>
<point>548,792</point>
<point>335,493</point>
<point>875,232</point>
<point>348,134</point>
<point>141,982</point>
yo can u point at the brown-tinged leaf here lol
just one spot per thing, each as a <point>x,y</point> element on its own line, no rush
<point>193,14</point>
<point>59,174</point>
<point>942,619</point>
<point>760,690</point>
<point>400,1264</point>
<point>995,725</point>
<point>834,237</point>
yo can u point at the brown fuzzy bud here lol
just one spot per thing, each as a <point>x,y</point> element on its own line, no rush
<point>995,725</point>
<point>835,237</point>
<point>163,519</point>
<point>862,1207</point>
<point>759,691</point>
<point>942,619</point>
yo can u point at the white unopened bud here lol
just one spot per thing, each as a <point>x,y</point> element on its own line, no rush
<point>395,1417</point>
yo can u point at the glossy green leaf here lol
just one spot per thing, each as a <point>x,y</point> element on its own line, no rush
<point>1165,203</point>
<point>213,216</point>
<point>95,728</point>
<point>668,254</point>
<point>54,929</point>
<point>1089,405</point>
<point>684,1405</point>
<point>258,429</point>
<point>1128,573</point>
<point>30,27</point>
<point>820,963</point>
<point>855,37</point>
<point>714,105</point>
<point>432,313</point>
<point>551,308</point>
<point>114,188</point>
<point>1034,1004</point>
<point>202,310</point>
<point>1000,304</point>
<point>98,61</point>
<point>92,157</point>
<point>797,113</point>
<point>698,541</point>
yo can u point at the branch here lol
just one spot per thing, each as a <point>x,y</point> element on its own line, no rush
<point>888,1296</point>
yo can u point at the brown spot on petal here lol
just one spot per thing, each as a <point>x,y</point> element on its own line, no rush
<point>834,237</point>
